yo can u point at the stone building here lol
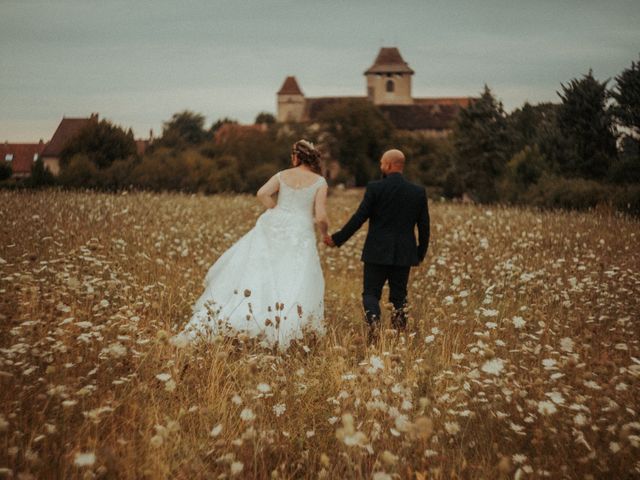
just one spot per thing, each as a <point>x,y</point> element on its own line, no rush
<point>388,83</point>
<point>66,131</point>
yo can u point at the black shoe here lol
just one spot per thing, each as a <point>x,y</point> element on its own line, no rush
<point>399,320</point>
<point>373,332</point>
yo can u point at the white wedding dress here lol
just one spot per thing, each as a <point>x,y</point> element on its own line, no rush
<point>268,284</point>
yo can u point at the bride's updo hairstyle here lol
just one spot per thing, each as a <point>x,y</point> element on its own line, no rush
<point>307,154</point>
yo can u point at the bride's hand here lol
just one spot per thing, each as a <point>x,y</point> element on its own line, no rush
<point>323,225</point>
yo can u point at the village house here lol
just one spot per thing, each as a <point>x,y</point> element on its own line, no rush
<point>388,83</point>
<point>21,156</point>
<point>66,131</point>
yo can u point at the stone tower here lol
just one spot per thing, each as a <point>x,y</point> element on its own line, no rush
<point>290,101</point>
<point>389,79</point>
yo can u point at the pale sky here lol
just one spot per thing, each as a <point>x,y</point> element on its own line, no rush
<point>137,62</point>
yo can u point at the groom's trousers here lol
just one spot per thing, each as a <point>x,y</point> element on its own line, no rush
<point>375,276</point>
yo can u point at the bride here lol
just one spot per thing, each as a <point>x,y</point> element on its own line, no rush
<point>269,284</point>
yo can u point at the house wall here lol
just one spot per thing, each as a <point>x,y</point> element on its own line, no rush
<point>53,164</point>
<point>377,88</point>
<point>290,108</point>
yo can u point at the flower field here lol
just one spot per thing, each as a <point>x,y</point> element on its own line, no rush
<point>521,359</point>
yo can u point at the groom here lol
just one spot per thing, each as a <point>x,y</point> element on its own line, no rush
<point>393,207</point>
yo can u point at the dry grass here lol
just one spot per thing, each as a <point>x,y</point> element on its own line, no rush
<point>521,359</point>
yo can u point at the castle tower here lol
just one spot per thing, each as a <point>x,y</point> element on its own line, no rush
<point>389,79</point>
<point>290,101</point>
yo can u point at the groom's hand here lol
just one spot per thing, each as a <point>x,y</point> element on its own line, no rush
<point>329,241</point>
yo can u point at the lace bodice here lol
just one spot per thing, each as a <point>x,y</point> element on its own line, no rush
<point>298,200</point>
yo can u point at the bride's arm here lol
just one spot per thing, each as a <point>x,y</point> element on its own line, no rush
<point>321,210</point>
<point>265,194</point>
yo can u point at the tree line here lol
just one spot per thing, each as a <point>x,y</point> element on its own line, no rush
<point>577,153</point>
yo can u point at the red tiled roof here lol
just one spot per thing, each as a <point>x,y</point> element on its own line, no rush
<point>235,130</point>
<point>421,117</point>
<point>23,155</point>
<point>290,87</point>
<point>313,107</point>
<point>67,129</point>
<point>389,60</point>
<point>429,116</point>
<point>463,102</point>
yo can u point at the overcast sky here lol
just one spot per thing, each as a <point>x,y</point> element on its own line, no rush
<point>137,62</point>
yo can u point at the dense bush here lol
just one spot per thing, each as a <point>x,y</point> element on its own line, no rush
<point>627,199</point>
<point>79,172</point>
<point>5,170</point>
<point>569,193</point>
<point>521,172</point>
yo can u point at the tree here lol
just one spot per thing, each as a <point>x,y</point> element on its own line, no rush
<point>102,143</point>
<point>185,129</point>
<point>266,118</point>
<point>220,122</point>
<point>586,122</point>
<point>5,170</point>
<point>40,176</point>
<point>357,135</point>
<point>481,146</point>
<point>627,96</point>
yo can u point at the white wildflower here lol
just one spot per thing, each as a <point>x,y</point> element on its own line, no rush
<point>85,459</point>
<point>580,420</point>
<point>236,468</point>
<point>546,408</point>
<point>556,397</point>
<point>518,322</point>
<point>279,409</point>
<point>493,366</point>
<point>566,344</point>
<point>247,415</point>
<point>452,427</point>
<point>263,388</point>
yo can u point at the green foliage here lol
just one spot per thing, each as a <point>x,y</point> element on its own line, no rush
<point>185,129</point>
<point>481,146</point>
<point>102,143</point>
<point>627,199</point>
<point>266,118</point>
<point>568,193</point>
<point>119,175</point>
<point>356,135</point>
<point>586,122</point>
<point>428,158</point>
<point>625,170</point>
<point>40,176</point>
<point>80,172</point>
<point>220,122</point>
<point>5,170</point>
<point>536,125</point>
<point>627,96</point>
<point>521,172</point>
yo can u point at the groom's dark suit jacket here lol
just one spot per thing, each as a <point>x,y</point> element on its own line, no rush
<point>393,207</point>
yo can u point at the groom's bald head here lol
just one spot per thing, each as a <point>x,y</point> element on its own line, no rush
<point>392,161</point>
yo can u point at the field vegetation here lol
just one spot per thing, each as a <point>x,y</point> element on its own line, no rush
<point>521,358</point>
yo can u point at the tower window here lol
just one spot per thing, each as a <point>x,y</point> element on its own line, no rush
<point>390,86</point>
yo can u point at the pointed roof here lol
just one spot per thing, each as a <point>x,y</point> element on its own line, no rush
<point>22,155</point>
<point>290,87</point>
<point>389,60</point>
<point>68,128</point>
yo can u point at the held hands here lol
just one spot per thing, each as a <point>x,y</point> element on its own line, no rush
<point>328,241</point>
